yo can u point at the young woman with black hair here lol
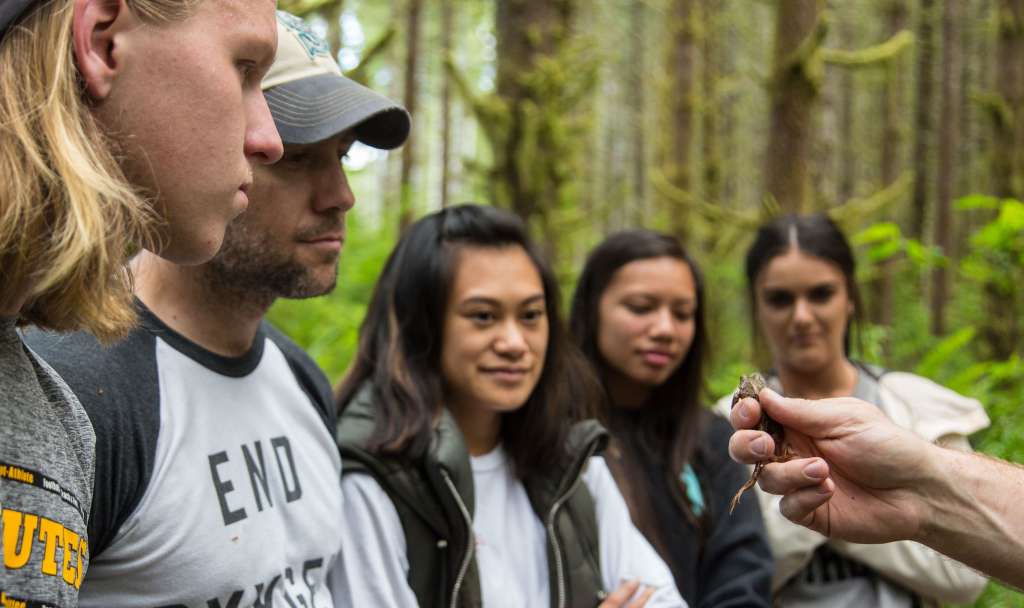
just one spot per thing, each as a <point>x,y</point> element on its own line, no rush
<point>806,303</point>
<point>638,315</point>
<point>471,475</point>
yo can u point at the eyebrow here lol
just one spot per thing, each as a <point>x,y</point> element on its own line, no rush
<point>647,294</point>
<point>495,302</point>
<point>809,287</point>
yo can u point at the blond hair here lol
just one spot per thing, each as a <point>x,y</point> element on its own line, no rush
<point>68,216</point>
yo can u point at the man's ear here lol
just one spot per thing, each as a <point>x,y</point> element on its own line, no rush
<point>94,30</point>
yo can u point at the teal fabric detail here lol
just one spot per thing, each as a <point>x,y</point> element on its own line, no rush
<point>693,491</point>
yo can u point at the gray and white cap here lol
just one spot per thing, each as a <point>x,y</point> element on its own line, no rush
<point>311,100</point>
<point>11,12</point>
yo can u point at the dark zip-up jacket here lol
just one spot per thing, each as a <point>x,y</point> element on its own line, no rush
<point>434,499</point>
<point>727,564</point>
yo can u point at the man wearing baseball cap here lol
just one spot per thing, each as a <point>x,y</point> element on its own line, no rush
<point>217,476</point>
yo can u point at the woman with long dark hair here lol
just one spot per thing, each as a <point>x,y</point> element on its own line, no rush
<point>638,315</point>
<point>805,302</point>
<point>471,476</point>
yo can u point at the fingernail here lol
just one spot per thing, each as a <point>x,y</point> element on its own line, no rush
<point>826,487</point>
<point>816,470</point>
<point>759,447</point>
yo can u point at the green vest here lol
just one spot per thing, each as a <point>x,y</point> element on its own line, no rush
<point>434,499</point>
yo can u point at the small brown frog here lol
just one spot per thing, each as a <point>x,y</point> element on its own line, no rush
<point>750,386</point>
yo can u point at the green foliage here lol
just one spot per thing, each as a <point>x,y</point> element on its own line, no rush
<point>884,241</point>
<point>942,353</point>
<point>988,306</point>
<point>995,267</point>
<point>302,8</point>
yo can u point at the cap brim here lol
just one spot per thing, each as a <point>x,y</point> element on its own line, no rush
<point>312,109</point>
<point>11,11</point>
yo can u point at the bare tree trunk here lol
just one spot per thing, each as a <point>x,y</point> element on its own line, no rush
<point>412,53</point>
<point>923,117</point>
<point>965,84</point>
<point>710,109</point>
<point>847,149</point>
<point>638,73</point>
<point>949,123</point>
<point>1008,160</point>
<point>682,51</point>
<point>728,105</point>
<point>447,17</point>
<point>794,97</point>
<point>609,174</point>
<point>892,143</point>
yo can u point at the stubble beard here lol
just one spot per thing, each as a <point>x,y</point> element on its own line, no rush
<point>249,268</point>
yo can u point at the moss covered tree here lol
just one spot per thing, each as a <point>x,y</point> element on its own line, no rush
<point>795,82</point>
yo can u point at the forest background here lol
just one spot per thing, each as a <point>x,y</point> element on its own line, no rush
<point>904,120</point>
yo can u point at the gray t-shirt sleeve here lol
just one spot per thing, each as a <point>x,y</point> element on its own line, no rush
<point>46,474</point>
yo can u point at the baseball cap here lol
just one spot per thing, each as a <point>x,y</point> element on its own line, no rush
<point>10,11</point>
<point>311,100</point>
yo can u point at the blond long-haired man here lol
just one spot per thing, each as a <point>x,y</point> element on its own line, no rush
<point>123,124</point>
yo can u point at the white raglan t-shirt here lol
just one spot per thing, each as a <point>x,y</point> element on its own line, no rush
<point>217,479</point>
<point>510,542</point>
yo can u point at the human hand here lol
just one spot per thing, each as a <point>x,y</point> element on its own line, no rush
<point>622,595</point>
<point>854,474</point>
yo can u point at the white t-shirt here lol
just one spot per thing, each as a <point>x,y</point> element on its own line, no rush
<point>217,478</point>
<point>510,543</point>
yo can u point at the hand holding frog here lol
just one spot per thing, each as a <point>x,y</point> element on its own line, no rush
<point>851,473</point>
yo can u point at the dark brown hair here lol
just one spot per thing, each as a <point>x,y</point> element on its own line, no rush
<point>400,344</point>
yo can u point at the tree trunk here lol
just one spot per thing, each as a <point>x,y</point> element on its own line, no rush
<point>710,108</point>
<point>965,84</point>
<point>728,104</point>
<point>847,149</point>
<point>949,123</point>
<point>679,65</point>
<point>794,97</point>
<point>638,77</point>
<point>532,152</point>
<point>892,144</point>
<point>447,17</point>
<point>412,53</point>
<point>1008,160</point>
<point>923,117</point>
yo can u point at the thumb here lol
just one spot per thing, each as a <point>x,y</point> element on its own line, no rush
<point>812,418</point>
